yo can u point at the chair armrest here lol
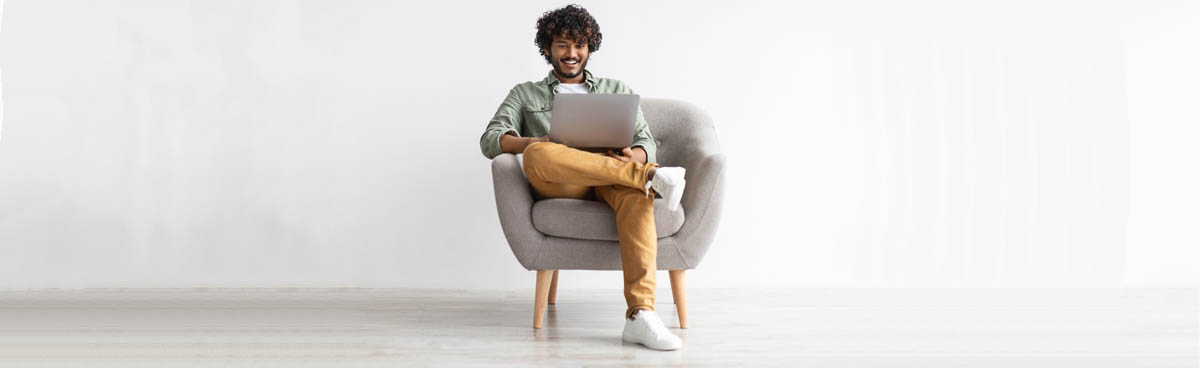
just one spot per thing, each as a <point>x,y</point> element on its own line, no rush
<point>703,200</point>
<point>514,204</point>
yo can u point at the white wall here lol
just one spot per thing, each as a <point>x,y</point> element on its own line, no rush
<point>335,143</point>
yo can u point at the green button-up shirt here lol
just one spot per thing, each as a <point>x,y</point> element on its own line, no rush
<point>526,113</point>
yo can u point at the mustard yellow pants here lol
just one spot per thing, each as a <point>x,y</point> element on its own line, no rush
<point>558,171</point>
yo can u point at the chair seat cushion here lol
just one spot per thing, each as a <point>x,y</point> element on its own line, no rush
<point>595,220</point>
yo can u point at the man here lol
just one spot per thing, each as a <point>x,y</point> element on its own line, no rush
<point>625,178</point>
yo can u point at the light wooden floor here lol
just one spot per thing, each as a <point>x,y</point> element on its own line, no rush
<point>809,327</point>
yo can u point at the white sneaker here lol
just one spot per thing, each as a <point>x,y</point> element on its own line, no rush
<point>669,182</point>
<point>647,329</point>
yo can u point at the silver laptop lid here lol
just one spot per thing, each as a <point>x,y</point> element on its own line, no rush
<point>594,120</point>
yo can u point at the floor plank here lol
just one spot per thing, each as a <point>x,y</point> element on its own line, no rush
<point>815,327</point>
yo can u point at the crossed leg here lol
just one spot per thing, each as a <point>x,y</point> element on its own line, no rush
<point>557,171</point>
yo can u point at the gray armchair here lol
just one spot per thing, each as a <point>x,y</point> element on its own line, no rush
<point>544,235</point>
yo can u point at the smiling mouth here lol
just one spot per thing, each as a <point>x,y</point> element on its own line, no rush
<point>571,62</point>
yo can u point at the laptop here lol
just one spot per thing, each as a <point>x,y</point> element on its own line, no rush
<point>593,120</point>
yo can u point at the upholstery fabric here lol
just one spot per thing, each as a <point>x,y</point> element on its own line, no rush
<point>595,220</point>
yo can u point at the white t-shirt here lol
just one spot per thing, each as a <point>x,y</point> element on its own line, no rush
<point>572,88</point>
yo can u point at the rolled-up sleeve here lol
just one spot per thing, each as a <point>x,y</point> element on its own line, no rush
<point>506,120</point>
<point>643,138</point>
<point>641,131</point>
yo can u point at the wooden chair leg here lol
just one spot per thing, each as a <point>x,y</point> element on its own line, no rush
<point>541,296</point>
<point>553,288</point>
<point>679,291</point>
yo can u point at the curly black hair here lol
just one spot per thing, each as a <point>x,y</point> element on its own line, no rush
<point>572,21</point>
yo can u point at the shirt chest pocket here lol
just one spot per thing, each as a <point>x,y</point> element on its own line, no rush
<point>538,118</point>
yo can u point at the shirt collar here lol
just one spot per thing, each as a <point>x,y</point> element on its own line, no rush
<point>553,81</point>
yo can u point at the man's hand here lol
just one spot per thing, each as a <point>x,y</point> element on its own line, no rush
<point>532,140</point>
<point>636,154</point>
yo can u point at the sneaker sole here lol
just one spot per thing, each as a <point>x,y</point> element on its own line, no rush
<point>676,196</point>
<point>648,346</point>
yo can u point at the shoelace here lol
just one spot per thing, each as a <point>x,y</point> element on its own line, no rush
<point>649,184</point>
<point>656,324</point>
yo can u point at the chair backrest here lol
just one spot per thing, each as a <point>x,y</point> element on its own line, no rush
<point>681,130</point>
